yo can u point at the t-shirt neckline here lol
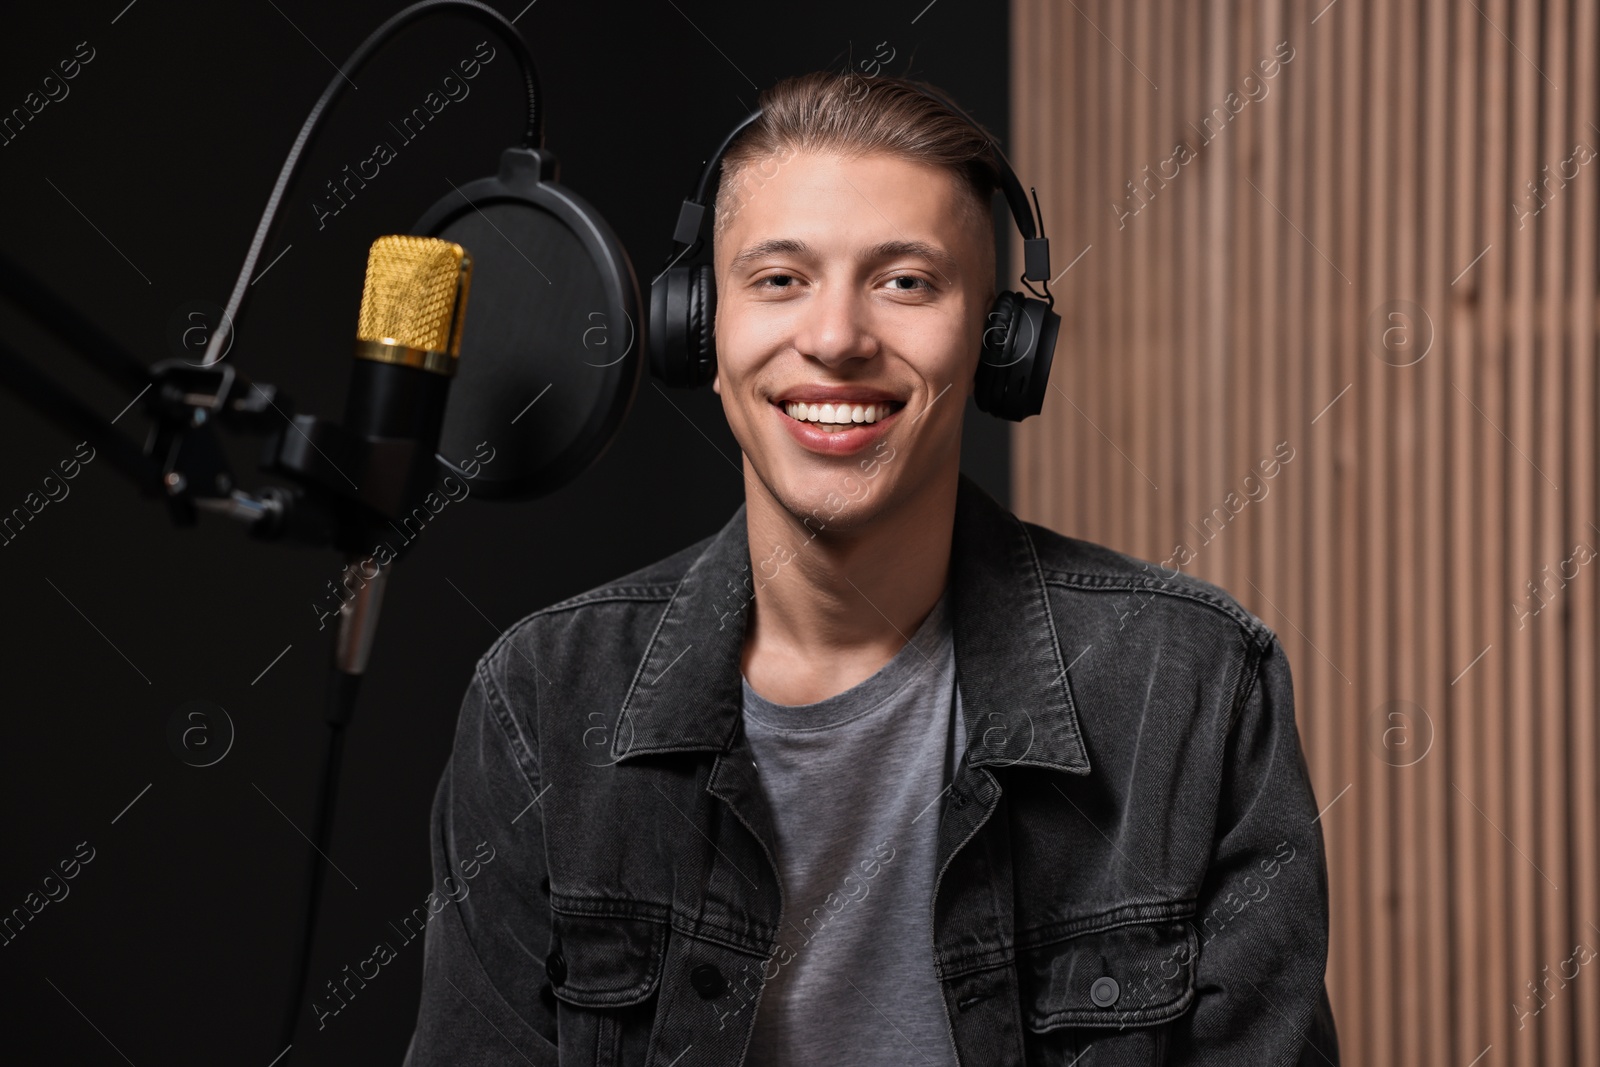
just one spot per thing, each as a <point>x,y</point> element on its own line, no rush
<point>927,649</point>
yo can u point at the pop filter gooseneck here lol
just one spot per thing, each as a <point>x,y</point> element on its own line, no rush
<point>532,137</point>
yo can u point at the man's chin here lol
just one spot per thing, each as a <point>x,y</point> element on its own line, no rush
<point>832,503</point>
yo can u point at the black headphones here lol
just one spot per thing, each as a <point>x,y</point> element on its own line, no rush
<point>1018,342</point>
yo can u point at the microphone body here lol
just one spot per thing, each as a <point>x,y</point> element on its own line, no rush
<point>400,410</point>
<point>408,340</point>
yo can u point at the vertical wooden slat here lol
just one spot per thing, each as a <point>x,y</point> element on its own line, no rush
<point>1166,250</point>
<point>1193,418</point>
<point>1583,643</point>
<point>1434,770</point>
<point>1551,723</point>
<point>1214,170</point>
<point>1032,154</point>
<point>1134,437</point>
<point>1487,811</point>
<point>1318,47</point>
<point>1343,431</point>
<point>1373,681</point>
<point>1117,481</point>
<point>1189,417</point>
<point>1463,730</point>
<point>1041,91</point>
<point>1285,499</point>
<point>1261,522</point>
<point>1398,386</point>
<point>1055,24</point>
<point>1085,409</point>
<point>1234,144</point>
<point>1522,501</point>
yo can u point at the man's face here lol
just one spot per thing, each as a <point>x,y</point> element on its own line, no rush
<point>851,295</point>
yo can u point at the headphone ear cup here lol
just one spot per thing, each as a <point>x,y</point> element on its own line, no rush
<point>682,311</point>
<point>702,349</point>
<point>661,339</point>
<point>1019,341</point>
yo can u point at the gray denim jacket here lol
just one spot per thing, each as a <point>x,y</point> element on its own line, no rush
<point>1129,870</point>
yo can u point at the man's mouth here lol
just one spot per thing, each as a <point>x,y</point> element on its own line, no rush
<point>837,416</point>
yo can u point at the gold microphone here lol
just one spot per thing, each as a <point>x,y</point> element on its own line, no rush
<point>413,303</point>
<point>408,339</point>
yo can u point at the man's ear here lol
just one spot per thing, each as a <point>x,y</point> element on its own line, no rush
<point>972,381</point>
<point>716,375</point>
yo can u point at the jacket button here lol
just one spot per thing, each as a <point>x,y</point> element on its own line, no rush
<point>958,797</point>
<point>707,981</point>
<point>1104,992</point>
<point>555,965</point>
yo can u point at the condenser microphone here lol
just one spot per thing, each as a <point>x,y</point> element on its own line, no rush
<point>408,342</point>
<point>408,338</point>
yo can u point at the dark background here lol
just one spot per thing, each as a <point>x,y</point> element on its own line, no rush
<point>135,196</point>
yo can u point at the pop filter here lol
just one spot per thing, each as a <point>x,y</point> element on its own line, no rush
<point>551,353</point>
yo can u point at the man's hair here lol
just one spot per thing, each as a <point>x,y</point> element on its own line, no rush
<point>851,115</point>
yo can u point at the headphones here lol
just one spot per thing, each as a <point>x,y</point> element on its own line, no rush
<point>1019,339</point>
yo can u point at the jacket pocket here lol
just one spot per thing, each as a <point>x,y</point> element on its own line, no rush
<point>1110,993</point>
<point>604,971</point>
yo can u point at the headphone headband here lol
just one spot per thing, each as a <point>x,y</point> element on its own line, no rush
<point>1036,246</point>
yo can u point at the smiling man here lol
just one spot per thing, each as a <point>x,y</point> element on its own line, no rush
<point>878,773</point>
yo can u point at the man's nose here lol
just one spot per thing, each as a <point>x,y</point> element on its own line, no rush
<point>836,326</point>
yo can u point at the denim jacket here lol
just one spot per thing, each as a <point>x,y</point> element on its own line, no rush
<point>1130,868</point>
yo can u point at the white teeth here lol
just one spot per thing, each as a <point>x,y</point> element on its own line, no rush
<point>835,414</point>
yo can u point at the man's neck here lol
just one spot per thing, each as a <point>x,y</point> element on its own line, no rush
<point>831,609</point>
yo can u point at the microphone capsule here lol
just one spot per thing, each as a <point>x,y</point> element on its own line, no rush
<point>413,303</point>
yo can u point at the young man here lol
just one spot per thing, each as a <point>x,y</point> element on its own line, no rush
<point>878,774</point>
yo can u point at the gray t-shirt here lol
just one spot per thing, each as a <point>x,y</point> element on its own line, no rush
<point>857,784</point>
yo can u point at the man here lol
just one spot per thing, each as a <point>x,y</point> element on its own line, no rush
<point>878,774</point>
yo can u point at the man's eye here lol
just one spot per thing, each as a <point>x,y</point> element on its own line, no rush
<point>774,277</point>
<point>920,283</point>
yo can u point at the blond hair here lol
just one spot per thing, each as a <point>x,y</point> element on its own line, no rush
<point>850,114</point>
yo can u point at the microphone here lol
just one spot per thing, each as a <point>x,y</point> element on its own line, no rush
<point>408,340</point>
<point>408,343</point>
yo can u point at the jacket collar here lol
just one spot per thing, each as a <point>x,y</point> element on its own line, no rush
<point>1016,695</point>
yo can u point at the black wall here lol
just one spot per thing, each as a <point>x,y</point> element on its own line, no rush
<point>135,196</point>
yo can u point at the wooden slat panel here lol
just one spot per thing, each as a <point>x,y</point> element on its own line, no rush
<point>1413,549</point>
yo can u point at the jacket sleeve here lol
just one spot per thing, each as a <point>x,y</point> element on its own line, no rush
<point>1262,913</point>
<point>483,957</point>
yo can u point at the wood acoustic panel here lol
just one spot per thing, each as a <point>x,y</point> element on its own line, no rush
<point>1328,282</point>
